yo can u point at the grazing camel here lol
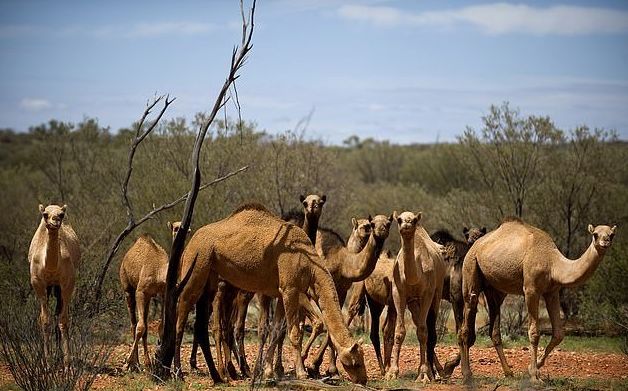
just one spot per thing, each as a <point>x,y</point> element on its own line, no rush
<point>418,283</point>
<point>520,259</point>
<point>143,276</point>
<point>54,255</point>
<point>258,252</point>
<point>452,286</point>
<point>347,267</point>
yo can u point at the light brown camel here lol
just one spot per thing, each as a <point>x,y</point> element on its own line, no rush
<point>143,276</point>
<point>54,255</point>
<point>347,267</point>
<point>258,252</point>
<point>520,259</point>
<point>308,219</point>
<point>418,283</point>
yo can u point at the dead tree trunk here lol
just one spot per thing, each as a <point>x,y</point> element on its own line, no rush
<point>165,352</point>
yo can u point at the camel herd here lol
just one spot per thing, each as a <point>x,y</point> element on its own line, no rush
<point>311,272</point>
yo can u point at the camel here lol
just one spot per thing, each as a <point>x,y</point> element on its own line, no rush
<point>54,255</point>
<point>520,259</point>
<point>418,283</point>
<point>347,267</point>
<point>143,276</point>
<point>258,252</point>
<point>452,286</point>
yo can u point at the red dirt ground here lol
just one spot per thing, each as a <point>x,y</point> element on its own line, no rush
<point>580,365</point>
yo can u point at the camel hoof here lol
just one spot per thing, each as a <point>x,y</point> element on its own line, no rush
<point>313,371</point>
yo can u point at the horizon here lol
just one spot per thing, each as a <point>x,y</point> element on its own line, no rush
<point>406,72</point>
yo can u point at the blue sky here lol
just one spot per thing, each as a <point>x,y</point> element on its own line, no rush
<point>407,71</point>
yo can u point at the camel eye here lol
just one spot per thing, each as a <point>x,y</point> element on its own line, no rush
<point>595,235</point>
<point>304,204</point>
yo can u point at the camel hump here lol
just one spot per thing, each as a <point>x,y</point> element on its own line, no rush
<point>512,219</point>
<point>330,233</point>
<point>147,239</point>
<point>252,206</point>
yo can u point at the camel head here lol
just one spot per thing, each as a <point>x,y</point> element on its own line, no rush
<point>407,222</point>
<point>602,236</point>
<point>472,234</point>
<point>380,226</point>
<point>313,204</point>
<point>52,216</point>
<point>362,228</point>
<point>174,227</point>
<point>352,360</point>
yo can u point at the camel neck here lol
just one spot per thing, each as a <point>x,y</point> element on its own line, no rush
<point>358,266</point>
<point>52,249</point>
<point>356,243</point>
<point>569,272</point>
<point>329,303</point>
<point>412,268</point>
<point>310,226</point>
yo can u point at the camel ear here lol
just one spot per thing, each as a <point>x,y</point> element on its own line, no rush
<point>613,228</point>
<point>465,231</point>
<point>418,216</point>
<point>301,198</point>
<point>169,225</point>
<point>483,230</point>
<point>370,219</point>
<point>354,223</point>
<point>591,229</point>
<point>64,207</point>
<point>395,215</point>
<point>41,208</point>
<point>355,347</point>
<point>390,219</point>
<point>323,199</point>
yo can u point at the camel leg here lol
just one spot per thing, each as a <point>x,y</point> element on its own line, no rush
<point>399,299</point>
<point>388,330</point>
<point>457,305</point>
<point>219,307</point>
<point>132,361</point>
<point>244,298</point>
<point>532,302</point>
<point>432,337</point>
<point>317,329</point>
<point>138,333</point>
<point>471,288</point>
<point>419,317</point>
<point>376,311</point>
<point>66,295</point>
<point>355,301</point>
<point>552,302</point>
<point>143,315</point>
<point>293,320</point>
<point>281,335</point>
<point>278,320</point>
<point>193,354</point>
<point>494,300</point>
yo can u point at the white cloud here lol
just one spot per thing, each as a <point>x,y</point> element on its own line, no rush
<point>169,28</point>
<point>149,30</point>
<point>35,104</point>
<point>501,18</point>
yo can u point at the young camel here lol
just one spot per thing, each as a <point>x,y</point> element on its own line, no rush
<point>54,255</point>
<point>258,252</point>
<point>143,276</point>
<point>520,259</point>
<point>452,286</point>
<point>418,283</point>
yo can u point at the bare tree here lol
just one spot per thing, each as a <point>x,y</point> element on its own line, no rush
<point>142,130</point>
<point>165,352</point>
